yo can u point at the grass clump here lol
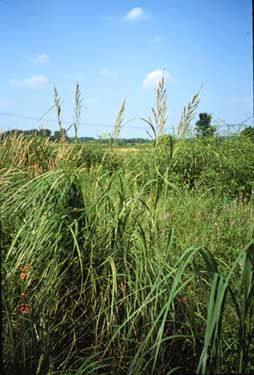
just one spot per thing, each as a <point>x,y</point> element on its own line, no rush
<point>136,262</point>
<point>111,285</point>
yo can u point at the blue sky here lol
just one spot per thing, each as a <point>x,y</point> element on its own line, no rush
<point>116,50</point>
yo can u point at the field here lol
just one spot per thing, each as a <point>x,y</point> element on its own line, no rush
<point>127,261</point>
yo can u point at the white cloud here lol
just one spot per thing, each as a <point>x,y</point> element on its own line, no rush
<point>40,58</point>
<point>109,73</point>
<point>135,14</point>
<point>152,79</point>
<point>35,82</point>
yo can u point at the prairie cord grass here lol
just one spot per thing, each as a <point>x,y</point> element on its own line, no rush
<point>118,122</point>
<point>136,262</point>
<point>77,111</point>
<point>95,282</point>
<point>158,121</point>
<point>188,115</point>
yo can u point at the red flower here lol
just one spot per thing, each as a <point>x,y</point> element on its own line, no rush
<point>24,308</point>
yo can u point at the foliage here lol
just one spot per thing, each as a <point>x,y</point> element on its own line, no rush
<point>127,260</point>
<point>248,133</point>
<point>103,138</point>
<point>203,126</point>
<point>225,167</point>
<point>102,275</point>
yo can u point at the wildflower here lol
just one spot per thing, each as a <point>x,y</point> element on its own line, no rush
<point>24,272</point>
<point>24,276</point>
<point>24,308</point>
<point>25,269</point>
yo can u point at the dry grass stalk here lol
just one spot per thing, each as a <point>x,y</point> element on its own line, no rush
<point>58,107</point>
<point>119,122</point>
<point>160,114</point>
<point>188,115</point>
<point>158,120</point>
<point>77,110</point>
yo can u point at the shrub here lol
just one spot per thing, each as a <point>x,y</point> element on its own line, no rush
<point>248,133</point>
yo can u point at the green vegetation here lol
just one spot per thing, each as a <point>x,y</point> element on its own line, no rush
<point>204,127</point>
<point>138,262</point>
<point>248,133</point>
<point>55,136</point>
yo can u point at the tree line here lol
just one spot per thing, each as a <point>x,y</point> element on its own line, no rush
<point>203,129</point>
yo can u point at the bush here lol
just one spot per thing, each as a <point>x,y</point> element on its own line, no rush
<point>248,133</point>
<point>225,166</point>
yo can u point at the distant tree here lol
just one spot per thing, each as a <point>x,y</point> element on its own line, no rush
<point>104,137</point>
<point>85,139</point>
<point>45,132</point>
<point>59,135</point>
<point>204,127</point>
<point>248,133</point>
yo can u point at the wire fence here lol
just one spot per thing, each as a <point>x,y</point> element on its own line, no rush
<point>51,121</point>
<point>231,129</point>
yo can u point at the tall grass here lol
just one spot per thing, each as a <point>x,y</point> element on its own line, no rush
<point>108,290</point>
<point>126,264</point>
<point>118,122</point>
<point>158,121</point>
<point>188,115</point>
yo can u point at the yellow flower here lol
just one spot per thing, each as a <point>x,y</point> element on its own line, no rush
<point>24,276</point>
<point>25,268</point>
